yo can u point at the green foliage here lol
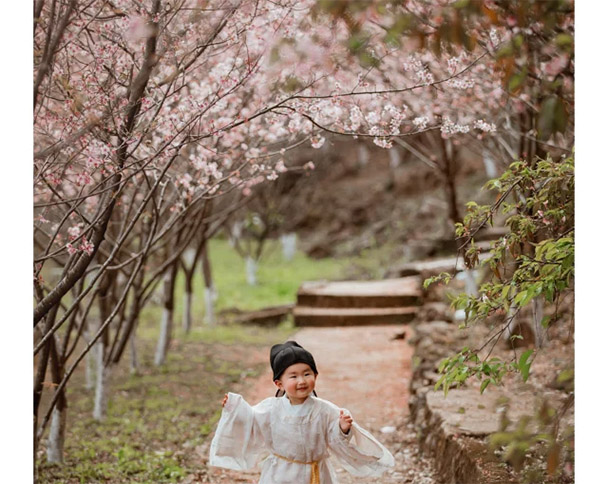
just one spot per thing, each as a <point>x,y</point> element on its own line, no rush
<point>535,258</point>
<point>534,445</point>
<point>459,368</point>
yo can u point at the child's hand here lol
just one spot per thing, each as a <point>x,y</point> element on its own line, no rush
<point>225,400</point>
<point>346,422</point>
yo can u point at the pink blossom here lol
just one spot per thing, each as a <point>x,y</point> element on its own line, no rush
<point>86,246</point>
<point>280,166</point>
<point>74,231</point>
<point>317,141</point>
<point>383,142</point>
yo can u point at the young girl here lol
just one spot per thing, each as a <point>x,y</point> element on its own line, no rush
<point>297,431</point>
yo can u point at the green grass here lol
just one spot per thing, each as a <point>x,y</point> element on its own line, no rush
<point>278,280</point>
<point>156,420</point>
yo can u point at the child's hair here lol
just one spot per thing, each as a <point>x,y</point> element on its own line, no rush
<point>282,356</point>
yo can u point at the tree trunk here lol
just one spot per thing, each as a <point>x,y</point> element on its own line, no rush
<point>54,451</point>
<point>89,369</point>
<point>43,360</point>
<point>187,314</point>
<point>164,338</point>
<point>470,282</point>
<point>102,347</point>
<point>537,315</point>
<point>57,432</point>
<point>449,177</point>
<point>288,242</point>
<point>166,327</point>
<point>251,267</point>
<point>133,364</point>
<point>101,383</point>
<point>362,155</point>
<point>209,289</point>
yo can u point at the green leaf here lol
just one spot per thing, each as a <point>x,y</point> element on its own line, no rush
<point>504,51</point>
<point>484,384</point>
<point>524,364</point>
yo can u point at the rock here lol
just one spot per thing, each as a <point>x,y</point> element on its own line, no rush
<point>432,311</point>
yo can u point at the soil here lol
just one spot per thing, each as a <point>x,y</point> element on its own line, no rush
<point>365,369</point>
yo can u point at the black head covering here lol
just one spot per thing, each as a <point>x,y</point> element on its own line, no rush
<point>286,354</point>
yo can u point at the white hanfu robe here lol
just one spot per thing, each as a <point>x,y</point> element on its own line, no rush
<point>295,441</point>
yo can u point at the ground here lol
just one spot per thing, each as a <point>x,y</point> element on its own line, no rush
<point>365,369</point>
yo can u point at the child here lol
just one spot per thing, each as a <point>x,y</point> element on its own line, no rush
<point>298,431</point>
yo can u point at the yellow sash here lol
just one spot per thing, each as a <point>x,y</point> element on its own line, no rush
<point>314,472</point>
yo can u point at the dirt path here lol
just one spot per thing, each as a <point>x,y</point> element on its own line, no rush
<point>366,370</point>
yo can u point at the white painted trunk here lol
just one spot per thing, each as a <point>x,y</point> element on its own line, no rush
<point>395,159</point>
<point>288,242</point>
<point>490,165</point>
<point>537,317</point>
<point>101,385</point>
<point>187,314</point>
<point>54,450</point>
<point>210,298</point>
<point>470,282</point>
<point>133,365</point>
<point>163,339</point>
<point>251,267</point>
<point>89,369</point>
<point>363,155</point>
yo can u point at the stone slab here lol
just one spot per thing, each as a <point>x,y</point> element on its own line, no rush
<point>313,316</point>
<point>467,412</point>
<point>405,286</point>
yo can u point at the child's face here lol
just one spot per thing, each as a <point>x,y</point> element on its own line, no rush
<point>298,381</point>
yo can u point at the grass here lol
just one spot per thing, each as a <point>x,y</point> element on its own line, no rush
<point>278,279</point>
<point>156,420</point>
<point>159,421</point>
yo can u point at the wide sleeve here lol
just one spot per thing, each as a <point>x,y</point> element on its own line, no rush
<point>358,451</point>
<point>238,441</point>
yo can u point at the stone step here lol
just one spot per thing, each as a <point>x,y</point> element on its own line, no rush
<point>270,316</point>
<point>313,316</point>
<point>387,293</point>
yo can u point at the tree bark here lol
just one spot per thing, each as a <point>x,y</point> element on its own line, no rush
<point>104,296</point>
<point>89,362</point>
<point>449,176</point>
<point>209,289</point>
<point>57,432</point>
<point>167,319</point>
<point>251,268</point>
<point>133,363</point>
<point>187,314</point>
<point>43,360</point>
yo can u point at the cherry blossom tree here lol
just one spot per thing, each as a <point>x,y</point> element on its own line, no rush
<point>145,111</point>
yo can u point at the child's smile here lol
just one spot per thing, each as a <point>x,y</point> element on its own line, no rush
<point>298,381</point>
